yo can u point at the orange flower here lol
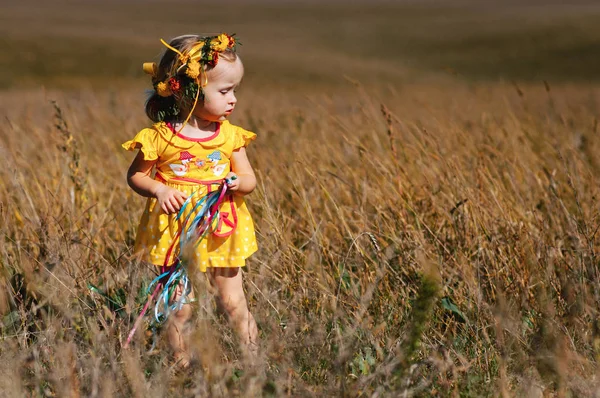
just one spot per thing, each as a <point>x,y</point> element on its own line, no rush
<point>231,41</point>
<point>214,58</point>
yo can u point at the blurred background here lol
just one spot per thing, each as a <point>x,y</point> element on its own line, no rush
<point>73,43</point>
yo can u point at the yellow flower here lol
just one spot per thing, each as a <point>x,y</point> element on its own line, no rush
<point>163,89</point>
<point>220,43</point>
<point>193,69</point>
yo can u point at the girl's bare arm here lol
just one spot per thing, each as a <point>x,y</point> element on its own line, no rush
<point>240,166</point>
<point>138,178</point>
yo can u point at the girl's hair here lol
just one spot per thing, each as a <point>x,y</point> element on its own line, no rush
<point>175,108</point>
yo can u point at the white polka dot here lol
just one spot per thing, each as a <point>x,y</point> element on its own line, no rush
<point>237,249</point>
<point>222,258</point>
<point>163,249</point>
<point>154,247</point>
<point>161,222</point>
<point>246,228</point>
<point>232,258</point>
<point>247,218</point>
<point>246,239</point>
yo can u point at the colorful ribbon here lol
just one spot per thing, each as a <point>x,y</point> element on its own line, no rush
<point>192,231</point>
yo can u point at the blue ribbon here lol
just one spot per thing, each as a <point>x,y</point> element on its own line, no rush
<point>200,226</point>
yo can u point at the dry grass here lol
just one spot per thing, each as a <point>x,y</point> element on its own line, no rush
<point>435,238</point>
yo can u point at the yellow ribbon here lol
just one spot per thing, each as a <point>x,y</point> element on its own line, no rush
<point>150,68</point>
<point>196,48</point>
<point>200,86</point>
<point>182,57</point>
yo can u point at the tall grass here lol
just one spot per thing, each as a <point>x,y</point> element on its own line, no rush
<point>463,264</point>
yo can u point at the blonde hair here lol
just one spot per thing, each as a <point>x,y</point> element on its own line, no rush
<point>170,109</point>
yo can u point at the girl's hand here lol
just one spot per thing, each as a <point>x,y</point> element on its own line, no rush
<point>169,199</point>
<point>233,182</point>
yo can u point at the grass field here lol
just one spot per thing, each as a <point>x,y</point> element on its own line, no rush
<point>426,208</point>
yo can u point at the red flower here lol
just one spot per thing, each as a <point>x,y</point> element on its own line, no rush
<point>174,84</point>
<point>231,41</point>
<point>214,59</point>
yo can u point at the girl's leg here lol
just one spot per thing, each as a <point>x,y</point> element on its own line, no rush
<point>228,282</point>
<point>176,335</point>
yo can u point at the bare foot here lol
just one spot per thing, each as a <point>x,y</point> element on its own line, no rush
<point>182,359</point>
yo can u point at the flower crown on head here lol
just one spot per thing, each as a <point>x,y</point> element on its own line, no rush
<point>191,63</point>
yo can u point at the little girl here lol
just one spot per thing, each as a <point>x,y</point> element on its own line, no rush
<point>194,150</point>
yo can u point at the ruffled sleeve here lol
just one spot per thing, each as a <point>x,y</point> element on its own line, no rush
<point>242,138</point>
<point>147,140</point>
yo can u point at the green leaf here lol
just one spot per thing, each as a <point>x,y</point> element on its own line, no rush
<point>449,305</point>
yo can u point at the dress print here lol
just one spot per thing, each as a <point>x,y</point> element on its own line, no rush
<point>194,167</point>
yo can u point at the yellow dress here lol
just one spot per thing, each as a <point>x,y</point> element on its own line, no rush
<point>194,166</point>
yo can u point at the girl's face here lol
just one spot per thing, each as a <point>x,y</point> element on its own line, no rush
<point>219,93</point>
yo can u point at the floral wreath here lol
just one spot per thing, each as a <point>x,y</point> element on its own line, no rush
<point>191,64</point>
